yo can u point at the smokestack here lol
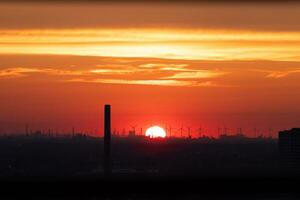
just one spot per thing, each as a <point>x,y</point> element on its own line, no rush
<point>107,138</point>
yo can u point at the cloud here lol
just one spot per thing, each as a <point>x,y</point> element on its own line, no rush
<point>169,43</point>
<point>278,74</point>
<point>196,74</point>
<point>121,14</point>
<point>281,74</point>
<point>17,72</point>
<point>110,71</point>
<point>163,66</point>
<point>140,72</point>
<point>23,71</point>
<point>148,82</point>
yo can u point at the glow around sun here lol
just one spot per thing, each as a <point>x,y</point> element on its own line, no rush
<point>155,132</point>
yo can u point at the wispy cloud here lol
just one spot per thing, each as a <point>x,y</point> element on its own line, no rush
<point>163,66</point>
<point>164,74</point>
<point>148,82</point>
<point>196,74</point>
<point>17,72</point>
<point>23,71</point>
<point>110,71</point>
<point>278,74</point>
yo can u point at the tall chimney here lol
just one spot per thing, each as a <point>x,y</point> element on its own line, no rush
<point>107,139</point>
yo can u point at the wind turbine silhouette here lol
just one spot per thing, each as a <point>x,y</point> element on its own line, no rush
<point>181,131</point>
<point>133,128</point>
<point>199,132</point>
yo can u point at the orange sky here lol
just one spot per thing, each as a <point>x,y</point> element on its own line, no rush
<point>191,65</point>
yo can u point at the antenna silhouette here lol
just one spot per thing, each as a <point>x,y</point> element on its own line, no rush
<point>170,130</point>
<point>132,132</point>
<point>225,130</point>
<point>270,132</point>
<point>200,132</point>
<point>181,130</point>
<point>133,127</point>
<point>26,129</point>
<point>189,132</point>
<point>115,132</point>
<point>123,132</point>
<point>219,131</point>
<point>239,131</point>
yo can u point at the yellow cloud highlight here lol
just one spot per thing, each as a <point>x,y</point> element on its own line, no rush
<point>110,71</point>
<point>279,74</point>
<point>163,66</point>
<point>17,72</point>
<point>190,44</point>
<point>23,71</point>
<point>148,82</point>
<point>163,74</point>
<point>139,35</point>
<point>196,74</point>
<point>158,72</point>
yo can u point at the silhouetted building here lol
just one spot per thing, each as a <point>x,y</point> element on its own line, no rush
<point>131,133</point>
<point>289,148</point>
<point>107,140</point>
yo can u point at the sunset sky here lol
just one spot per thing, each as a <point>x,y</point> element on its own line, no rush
<point>171,64</point>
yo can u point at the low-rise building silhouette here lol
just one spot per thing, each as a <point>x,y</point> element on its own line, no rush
<point>289,148</point>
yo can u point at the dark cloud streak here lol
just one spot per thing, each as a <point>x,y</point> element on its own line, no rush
<point>249,16</point>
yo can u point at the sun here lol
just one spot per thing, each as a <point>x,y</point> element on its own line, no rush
<point>155,132</point>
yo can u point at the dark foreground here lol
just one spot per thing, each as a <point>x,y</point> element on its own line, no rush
<point>40,167</point>
<point>130,186</point>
